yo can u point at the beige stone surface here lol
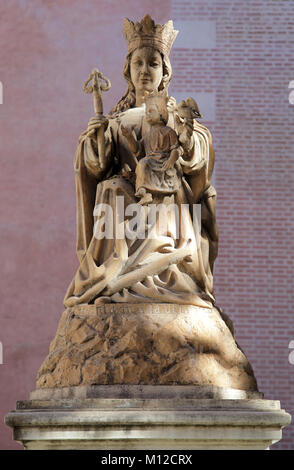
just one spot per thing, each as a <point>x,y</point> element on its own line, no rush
<point>161,344</point>
<point>135,423</point>
<point>84,394</point>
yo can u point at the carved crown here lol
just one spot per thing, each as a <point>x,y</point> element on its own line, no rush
<point>147,33</point>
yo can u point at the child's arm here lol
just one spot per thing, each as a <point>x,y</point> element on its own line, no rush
<point>134,145</point>
<point>174,156</point>
<point>176,151</point>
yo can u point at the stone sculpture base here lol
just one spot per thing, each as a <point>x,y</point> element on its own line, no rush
<point>147,417</point>
<point>146,376</point>
<point>160,344</point>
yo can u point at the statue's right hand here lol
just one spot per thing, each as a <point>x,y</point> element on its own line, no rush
<point>96,123</point>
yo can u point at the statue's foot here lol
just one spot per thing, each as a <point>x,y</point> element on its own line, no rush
<point>140,192</point>
<point>146,199</point>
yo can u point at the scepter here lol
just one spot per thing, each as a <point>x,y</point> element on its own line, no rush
<point>96,88</point>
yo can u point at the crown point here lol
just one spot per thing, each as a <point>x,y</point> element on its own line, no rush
<point>147,33</point>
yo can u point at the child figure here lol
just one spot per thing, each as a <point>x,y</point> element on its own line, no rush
<point>157,172</point>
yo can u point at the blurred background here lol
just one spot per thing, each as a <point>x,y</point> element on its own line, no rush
<point>236,59</point>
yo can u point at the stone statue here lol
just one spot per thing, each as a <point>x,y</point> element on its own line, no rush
<point>107,272</point>
<point>141,309</point>
<point>142,357</point>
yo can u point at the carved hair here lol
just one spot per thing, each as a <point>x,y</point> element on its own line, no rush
<point>128,100</point>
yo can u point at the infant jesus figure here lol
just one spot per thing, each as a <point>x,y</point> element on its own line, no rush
<point>158,172</point>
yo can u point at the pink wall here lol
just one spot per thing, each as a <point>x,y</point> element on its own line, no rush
<point>47,50</point>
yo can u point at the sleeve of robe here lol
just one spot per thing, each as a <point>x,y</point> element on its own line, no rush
<point>198,166</point>
<point>87,175</point>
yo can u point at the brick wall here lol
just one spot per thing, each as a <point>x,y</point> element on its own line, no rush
<point>248,70</point>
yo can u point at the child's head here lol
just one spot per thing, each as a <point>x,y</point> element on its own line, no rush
<point>156,109</point>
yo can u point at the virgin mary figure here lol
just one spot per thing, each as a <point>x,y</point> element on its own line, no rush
<point>175,265</point>
<point>140,308</point>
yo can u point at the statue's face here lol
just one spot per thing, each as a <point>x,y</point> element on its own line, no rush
<point>146,69</point>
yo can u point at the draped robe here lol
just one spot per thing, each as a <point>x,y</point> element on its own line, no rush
<point>172,266</point>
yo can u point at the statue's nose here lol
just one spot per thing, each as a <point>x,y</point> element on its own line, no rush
<point>145,68</point>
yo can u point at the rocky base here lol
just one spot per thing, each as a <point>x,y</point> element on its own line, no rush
<point>161,344</point>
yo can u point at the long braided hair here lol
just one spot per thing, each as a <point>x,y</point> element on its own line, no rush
<point>128,100</point>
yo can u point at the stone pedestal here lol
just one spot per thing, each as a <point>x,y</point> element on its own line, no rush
<point>147,417</point>
<point>146,376</point>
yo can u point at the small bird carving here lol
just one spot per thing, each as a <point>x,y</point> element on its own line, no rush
<point>194,107</point>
